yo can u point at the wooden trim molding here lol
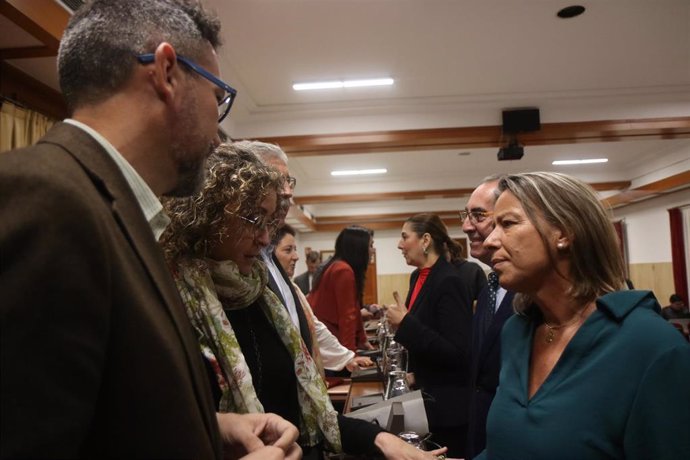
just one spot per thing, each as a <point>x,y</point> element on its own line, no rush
<point>451,220</point>
<point>43,19</point>
<point>422,194</point>
<point>27,52</point>
<point>481,136</point>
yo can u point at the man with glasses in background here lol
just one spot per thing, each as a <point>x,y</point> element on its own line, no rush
<point>97,356</point>
<point>494,307</point>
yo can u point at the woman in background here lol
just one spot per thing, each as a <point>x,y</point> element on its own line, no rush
<point>435,326</point>
<point>327,351</point>
<point>589,370</point>
<point>336,296</point>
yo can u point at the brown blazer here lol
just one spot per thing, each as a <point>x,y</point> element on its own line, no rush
<point>97,357</point>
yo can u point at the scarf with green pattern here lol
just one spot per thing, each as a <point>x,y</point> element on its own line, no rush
<point>202,283</point>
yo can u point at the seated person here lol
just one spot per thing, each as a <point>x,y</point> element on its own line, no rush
<point>677,308</point>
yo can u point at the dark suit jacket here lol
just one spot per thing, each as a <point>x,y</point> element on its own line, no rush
<point>437,334</point>
<point>473,276</point>
<point>486,365</point>
<point>98,358</point>
<point>302,282</point>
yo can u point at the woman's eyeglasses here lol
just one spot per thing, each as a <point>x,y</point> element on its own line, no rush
<point>261,223</point>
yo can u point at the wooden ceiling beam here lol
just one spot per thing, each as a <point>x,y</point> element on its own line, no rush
<point>422,194</point>
<point>43,19</point>
<point>481,136</point>
<point>298,214</point>
<point>397,217</point>
<point>666,185</point>
<point>26,52</point>
<point>451,220</point>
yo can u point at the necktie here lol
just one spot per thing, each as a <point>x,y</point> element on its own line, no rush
<point>491,307</point>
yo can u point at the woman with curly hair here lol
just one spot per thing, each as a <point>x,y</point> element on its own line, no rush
<point>255,356</point>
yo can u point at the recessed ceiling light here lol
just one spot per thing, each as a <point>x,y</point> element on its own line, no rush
<point>580,162</point>
<point>570,11</point>
<point>358,172</point>
<point>343,84</point>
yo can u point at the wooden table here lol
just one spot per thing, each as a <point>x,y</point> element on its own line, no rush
<point>338,393</point>
<point>358,389</point>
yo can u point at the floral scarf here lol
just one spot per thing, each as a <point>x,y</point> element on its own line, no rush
<point>202,283</point>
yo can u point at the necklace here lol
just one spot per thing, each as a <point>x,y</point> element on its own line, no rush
<point>550,329</point>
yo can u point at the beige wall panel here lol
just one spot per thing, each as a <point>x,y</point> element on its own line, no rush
<point>657,277</point>
<point>389,283</point>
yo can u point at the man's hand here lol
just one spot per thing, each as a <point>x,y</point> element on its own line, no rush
<point>394,448</point>
<point>246,433</point>
<point>358,362</point>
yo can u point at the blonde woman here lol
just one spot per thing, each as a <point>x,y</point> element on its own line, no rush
<point>589,370</point>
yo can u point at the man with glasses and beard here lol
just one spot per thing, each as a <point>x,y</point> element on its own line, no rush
<point>97,356</point>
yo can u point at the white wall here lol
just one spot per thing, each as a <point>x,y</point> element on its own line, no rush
<point>388,258</point>
<point>389,261</point>
<point>647,227</point>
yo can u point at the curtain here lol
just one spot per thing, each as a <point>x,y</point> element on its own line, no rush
<point>620,232</point>
<point>680,276</point>
<point>20,127</point>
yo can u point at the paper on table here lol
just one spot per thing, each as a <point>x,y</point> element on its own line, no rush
<point>413,405</point>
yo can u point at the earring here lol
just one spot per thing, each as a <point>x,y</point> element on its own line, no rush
<point>426,251</point>
<point>560,245</point>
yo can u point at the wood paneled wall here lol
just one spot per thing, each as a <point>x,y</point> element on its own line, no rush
<point>389,283</point>
<point>656,277</point>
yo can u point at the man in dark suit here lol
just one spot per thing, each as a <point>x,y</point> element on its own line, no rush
<point>494,307</point>
<point>305,280</point>
<point>97,356</point>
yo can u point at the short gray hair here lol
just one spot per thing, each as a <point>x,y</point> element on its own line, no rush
<point>98,49</point>
<point>264,151</point>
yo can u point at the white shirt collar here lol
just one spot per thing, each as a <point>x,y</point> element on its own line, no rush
<point>148,201</point>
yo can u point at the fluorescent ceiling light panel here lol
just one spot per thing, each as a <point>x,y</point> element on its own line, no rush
<point>359,172</point>
<point>343,84</point>
<point>580,162</point>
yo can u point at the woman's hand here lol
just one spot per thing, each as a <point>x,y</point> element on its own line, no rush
<point>395,314</point>
<point>394,448</point>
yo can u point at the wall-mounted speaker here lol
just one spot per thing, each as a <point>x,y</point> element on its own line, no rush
<point>521,121</point>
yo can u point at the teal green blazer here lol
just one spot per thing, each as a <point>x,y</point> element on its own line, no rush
<point>620,390</point>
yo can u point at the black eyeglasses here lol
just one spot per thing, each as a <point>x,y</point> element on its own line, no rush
<point>261,223</point>
<point>229,93</point>
<point>475,216</point>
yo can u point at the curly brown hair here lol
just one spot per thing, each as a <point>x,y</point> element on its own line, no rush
<point>235,185</point>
